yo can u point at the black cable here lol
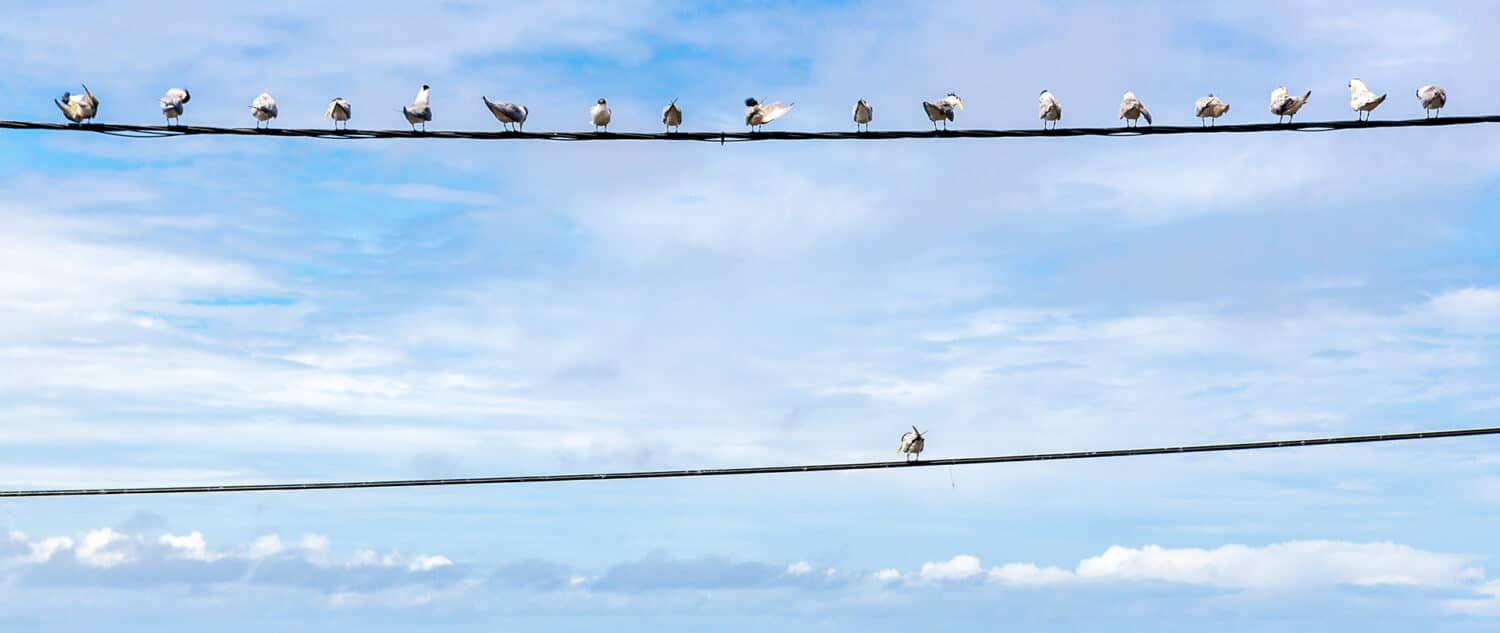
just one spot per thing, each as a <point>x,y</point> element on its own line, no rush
<point>762,470</point>
<point>151,131</point>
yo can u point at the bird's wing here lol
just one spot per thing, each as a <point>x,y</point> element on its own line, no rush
<point>769,113</point>
<point>1201,105</point>
<point>1144,112</point>
<point>1125,105</point>
<point>934,111</point>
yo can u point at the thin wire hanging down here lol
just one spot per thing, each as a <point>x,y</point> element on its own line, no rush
<point>156,131</point>
<point>762,470</point>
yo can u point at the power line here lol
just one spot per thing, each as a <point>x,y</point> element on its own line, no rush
<point>156,131</point>
<point>761,470</point>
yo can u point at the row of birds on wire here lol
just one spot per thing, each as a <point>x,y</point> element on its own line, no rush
<point>81,108</point>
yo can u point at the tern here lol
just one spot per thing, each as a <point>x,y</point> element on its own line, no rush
<point>263,108</point>
<point>339,110</point>
<point>911,444</point>
<point>1209,108</point>
<point>1286,106</point>
<point>599,115</point>
<point>1433,99</point>
<point>1131,109</point>
<point>419,111</point>
<point>942,110</point>
<point>1048,109</point>
<point>78,108</point>
<point>671,116</point>
<point>507,113</point>
<point>172,102</point>
<point>1361,100</point>
<point>863,114</point>
<point>757,114</point>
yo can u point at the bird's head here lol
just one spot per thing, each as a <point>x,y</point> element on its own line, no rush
<point>1128,95</point>
<point>1355,85</point>
<point>426,87</point>
<point>751,102</point>
<point>186,96</point>
<point>1042,93</point>
<point>919,433</point>
<point>953,99</point>
<point>1278,93</point>
<point>600,102</point>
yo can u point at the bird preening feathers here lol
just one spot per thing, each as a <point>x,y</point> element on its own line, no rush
<point>78,108</point>
<point>757,115</point>
<point>1285,106</point>
<point>911,444</point>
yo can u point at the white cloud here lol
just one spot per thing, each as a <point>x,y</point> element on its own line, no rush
<point>104,548</point>
<point>191,547</point>
<point>1028,574</point>
<point>886,576</point>
<point>799,568</point>
<point>265,546</point>
<point>961,567</point>
<point>1468,307</point>
<point>428,563</point>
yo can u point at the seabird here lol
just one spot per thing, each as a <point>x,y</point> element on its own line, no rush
<point>1049,109</point>
<point>863,113</point>
<point>599,115</point>
<point>1284,105</point>
<point>1132,109</point>
<point>419,111</point>
<point>507,113</point>
<point>78,108</point>
<point>942,110</point>
<point>172,102</point>
<point>1361,100</point>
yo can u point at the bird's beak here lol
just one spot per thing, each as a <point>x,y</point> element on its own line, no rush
<point>959,103</point>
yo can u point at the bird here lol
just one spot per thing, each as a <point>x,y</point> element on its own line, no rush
<point>942,110</point>
<point>419,111</point>
<point>1433,99</point>
<point>911,444</point>
<point>1284,105</point>
<point>599,115</point>
<point>339,110</point>
<point>757,115</point>
<point>507,113</point>
<point>1049,109</point>
<point>172,104</point>
<point>671,116</point>
<point>863,113</point>
<point>78,108</point>
<point>1361,100</point>
<point>1131,109</point>
<point>263,108</point>
<point>1210,108</point>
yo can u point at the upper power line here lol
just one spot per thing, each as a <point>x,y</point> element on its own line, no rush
<point>758,470</point>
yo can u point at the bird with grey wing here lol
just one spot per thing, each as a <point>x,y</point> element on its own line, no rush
<point>340,111</point>
<point>1132,109</point>
<point>758,114</point>
<point>671,116</point>
<point>263,108</point>
<point>511,116</point>
<point>1049,109</point>
<point>912,443</point>
<point>1361,100</point>
<point>863,114</point>
<point>1433,99</point>
<point>1285,106</point>
<point>942,110</point>
<point>1209,108</point>
<point>420,110</point>
<point>599,115</point>
<point>78,108</point>
<point>172,104</point>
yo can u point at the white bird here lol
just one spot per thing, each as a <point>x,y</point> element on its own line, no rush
<point>757,115</point>
<point>911,444</point>
<point>1432,98</point>
<point>942,110</point>
<point>263,108</point>
<point>863,114</point>
<point>172,104</point>
<point>339,110</point>
<point>1361,100</point>
<point>1048,109</point>
<point>599,115</point>
<point>1210,108</point>
<point>1132,109</point>
<point>419,111</point>
<point>671,116</point>
<point>78,108</point>
<point>1284,105</point>
<point>507,113</point>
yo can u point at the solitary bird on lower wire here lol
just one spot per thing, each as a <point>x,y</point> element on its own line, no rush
<point>1209,108</point>
<point>1048,109</point>
<point>339,110</point>
<point>172,104</point>
<point>1132,109</point>
<point>863,114</point>
<point>1361,100</point>
<point>671,116</point>
<point>78,108</point>
<point>1285,106</point>
<point>507,113</point>
<point>911,444</point>
<point>263,108</point>
<point>942,110</point>
<point>1433,99</point>
<point>599,115</point>
<point>420,111</point>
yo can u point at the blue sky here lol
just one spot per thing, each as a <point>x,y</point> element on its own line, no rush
<point>201,310</point>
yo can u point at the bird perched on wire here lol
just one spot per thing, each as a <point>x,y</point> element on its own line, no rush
<point>1433,99</point>
<point>1048,109</point>
<point>172,104</point>
<point>420,110</point>
<point>942,110</point>
<point>911,444</point>
<point>1286,106</point>
<point>78,108</point>
<point>863,114</point>
<point>671,116</point>
<point>507,113</point>
<point>599,115</point>
<point>1210,108</point>
<point>1131,109</point>
<point>757,115</point>
<point>263,108</point>
<point>1361,100</point>
<point>339,110</point>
